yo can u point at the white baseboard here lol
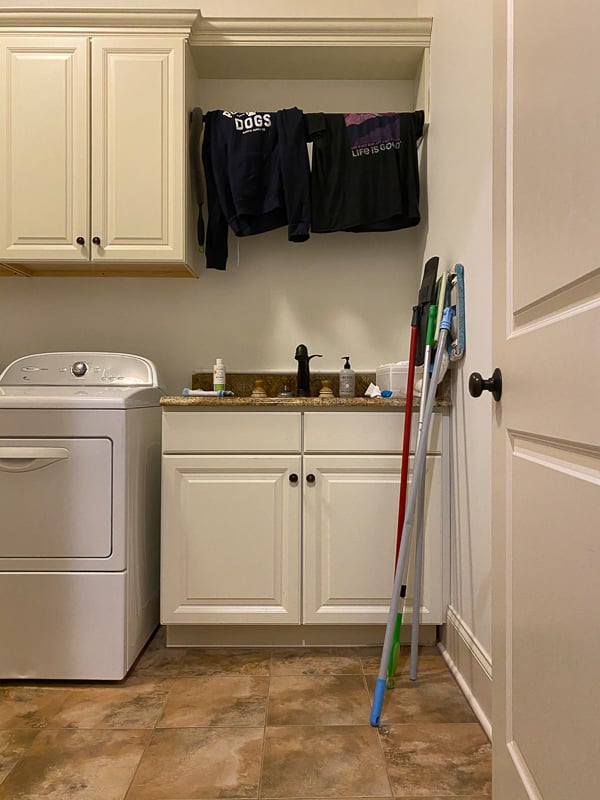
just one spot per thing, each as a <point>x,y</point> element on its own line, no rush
<point>471,666</point>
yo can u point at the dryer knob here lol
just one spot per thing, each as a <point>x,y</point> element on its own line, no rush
<point>79,369</point>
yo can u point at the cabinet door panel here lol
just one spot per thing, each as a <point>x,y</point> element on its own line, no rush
<point>350,523</point>
<point>138,162</point>
<point>44,168</point>
<point>230,540</point>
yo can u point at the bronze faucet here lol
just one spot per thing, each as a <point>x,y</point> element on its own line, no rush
<point>303,381</point>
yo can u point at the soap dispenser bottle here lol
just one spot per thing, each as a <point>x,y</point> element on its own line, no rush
<point>218,375</point>
<point>346,378</point>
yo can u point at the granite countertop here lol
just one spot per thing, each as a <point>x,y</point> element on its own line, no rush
<point>273,383</point>
<point>288,402</point>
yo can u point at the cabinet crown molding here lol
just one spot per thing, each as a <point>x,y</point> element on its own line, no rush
<point>97,20</point>
<point>327,48</point>
<point>311,31</point>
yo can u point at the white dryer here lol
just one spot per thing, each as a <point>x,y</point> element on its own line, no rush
<point>79,514</point>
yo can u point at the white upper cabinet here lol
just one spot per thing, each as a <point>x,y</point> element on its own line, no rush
<point>93,148</point>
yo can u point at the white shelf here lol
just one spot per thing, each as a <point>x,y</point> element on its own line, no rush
<point>311,49</point>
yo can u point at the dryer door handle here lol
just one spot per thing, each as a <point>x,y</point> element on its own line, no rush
<point>26,459</point>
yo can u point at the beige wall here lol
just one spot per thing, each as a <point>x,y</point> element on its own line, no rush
<point>459,152</point>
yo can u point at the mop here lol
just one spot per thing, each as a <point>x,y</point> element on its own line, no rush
<point>453,287</point>
<point>402,563</point>
<point>410,382</point>
<point>394,657</point>
<point>414,639</point>
<point>418,332</point>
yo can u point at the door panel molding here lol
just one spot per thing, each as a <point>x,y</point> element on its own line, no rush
<point>571,299</point>
<point>577,459</point>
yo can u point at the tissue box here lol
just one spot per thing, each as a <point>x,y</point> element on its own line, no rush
<point>393,377</point>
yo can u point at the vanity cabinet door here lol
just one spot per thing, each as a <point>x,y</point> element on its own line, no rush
<point>231,539</point>
<point>350,523</point>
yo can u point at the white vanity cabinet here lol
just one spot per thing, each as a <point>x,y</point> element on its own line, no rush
<point>93,150</point>
<point>275,517</point>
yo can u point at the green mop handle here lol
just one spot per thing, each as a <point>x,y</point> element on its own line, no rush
<point>431,325</point>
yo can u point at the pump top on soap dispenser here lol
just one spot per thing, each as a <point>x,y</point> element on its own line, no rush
<point>346,378</point>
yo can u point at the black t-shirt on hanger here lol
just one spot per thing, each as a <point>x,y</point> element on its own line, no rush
<point>365,171</point>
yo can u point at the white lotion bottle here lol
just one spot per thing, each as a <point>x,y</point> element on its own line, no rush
<point>218,375</point>
<point>347,377</point>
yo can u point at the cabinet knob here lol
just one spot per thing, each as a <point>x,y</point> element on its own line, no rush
<point>95,240</point>
<point>477,384</point>
<point>293,478</point>
<point>80,240</point>
<point>310,478</point>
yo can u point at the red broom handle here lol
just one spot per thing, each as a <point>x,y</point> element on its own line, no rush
<point>410,382</point>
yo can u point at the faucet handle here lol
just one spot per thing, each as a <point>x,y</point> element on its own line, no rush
<point>302,352</point>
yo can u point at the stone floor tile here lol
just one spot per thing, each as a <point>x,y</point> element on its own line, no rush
<point>200,763</point>
<point>431,698</point>
<point>226,661</point>
<point>318,700</point>
<point>136,704</point>
<point>323,762</point>
<point>29,706</point>
<point>76,765</point>
<point>159,660</point>
<point>452,759</point>
<point>13,745</point>
<point>316,661</point>
<point>216,700</point>
<point>429,661</point>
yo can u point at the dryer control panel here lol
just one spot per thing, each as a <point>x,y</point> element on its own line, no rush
<point>74,369</point>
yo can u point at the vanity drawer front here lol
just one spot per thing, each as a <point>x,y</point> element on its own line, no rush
<point>231,432</point>
<point>364,432</point>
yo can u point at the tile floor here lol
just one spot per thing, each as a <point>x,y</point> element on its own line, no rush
<point>191,724</point>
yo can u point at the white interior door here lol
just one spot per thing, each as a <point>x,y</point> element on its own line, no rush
<point>546,542</point>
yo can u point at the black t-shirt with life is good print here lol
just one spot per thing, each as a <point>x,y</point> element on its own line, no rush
<point>365,171</point>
